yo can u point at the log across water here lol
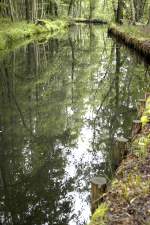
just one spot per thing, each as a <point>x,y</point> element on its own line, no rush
<point>92,21</point>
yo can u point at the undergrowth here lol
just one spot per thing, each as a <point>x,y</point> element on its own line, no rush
<point>13,32</point>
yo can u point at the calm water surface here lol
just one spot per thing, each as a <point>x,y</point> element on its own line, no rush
<point>62,103</point>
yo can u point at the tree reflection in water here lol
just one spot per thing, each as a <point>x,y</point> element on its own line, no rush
<point>61,105</point>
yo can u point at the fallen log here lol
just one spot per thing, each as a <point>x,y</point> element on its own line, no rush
<point>91,21</point>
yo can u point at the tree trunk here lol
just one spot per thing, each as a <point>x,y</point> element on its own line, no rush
<point>55,9</point>
<point>149,17</point>
<point>11,10</point>
<point>132,12</point>
<point>27,10</point>
<point>70,7</point>
<point>119,13</point>
<point>34,10</point>
<point>91,10</point>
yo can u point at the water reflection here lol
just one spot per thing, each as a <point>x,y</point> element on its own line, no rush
<point>61,105</point>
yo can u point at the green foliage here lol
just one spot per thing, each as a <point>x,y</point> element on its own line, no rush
<point>104,9</point>
<point>3,41</point>
<point>142,142</point>
<point>99,215</point>
<point>11,33</point>
<point>140,145</point>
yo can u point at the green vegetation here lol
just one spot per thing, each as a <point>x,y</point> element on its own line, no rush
<point>99,216</point>
<point>131,187</point>
<point>46,89</point>
<point>14,33</point>
<point>138,39</point>
<point>55,12</point>
<point>139,32</point>
<point>142,142</point>
<point>48,86</point>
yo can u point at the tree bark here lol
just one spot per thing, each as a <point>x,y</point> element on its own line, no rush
<point>119,13</point>
<point>149,17</point>
<point>27,10</point>
<point>132,12</point>
<point>70,7</point>
<point>11,10</point>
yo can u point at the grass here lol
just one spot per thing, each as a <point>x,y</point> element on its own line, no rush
<point>135,37</point>
<point>98,217</point>
<point>142,142</point>
<point>140,32</point>
<point>12,33</point>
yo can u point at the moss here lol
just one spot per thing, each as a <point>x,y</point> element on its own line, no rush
<point>133,31</point>
<point>99,215</point>
<point>13,32</point>
<point>133,36</point>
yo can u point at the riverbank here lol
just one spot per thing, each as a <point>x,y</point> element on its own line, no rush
<point>136,37</point>
<point>13,33</point>
<point>127,201</point>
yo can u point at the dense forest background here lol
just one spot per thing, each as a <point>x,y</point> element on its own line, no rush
<point>117,10</point>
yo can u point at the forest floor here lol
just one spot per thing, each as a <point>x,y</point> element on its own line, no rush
<point>136,37</point>
<point>12,34</point>
<point>127,201</point>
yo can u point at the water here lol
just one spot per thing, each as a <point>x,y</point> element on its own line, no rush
<point>62,103</point>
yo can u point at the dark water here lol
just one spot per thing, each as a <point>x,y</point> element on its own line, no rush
<point>62,103</point>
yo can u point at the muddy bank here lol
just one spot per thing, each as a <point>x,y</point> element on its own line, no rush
<point>127,200</point>
<point>141,46</point>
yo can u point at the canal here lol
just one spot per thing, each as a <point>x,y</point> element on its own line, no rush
<point>63,101</point>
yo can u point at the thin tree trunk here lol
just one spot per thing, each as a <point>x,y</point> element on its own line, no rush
<point>149,17</point>
<point>91,10</point>
<point>42,9</point>
<point>27,10</point>
<point>11,10</point>
<point>55,9</point>
<point>119,13</point>
<point>70,7</point>
<point>34,10</point>
<point>132,12</point>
